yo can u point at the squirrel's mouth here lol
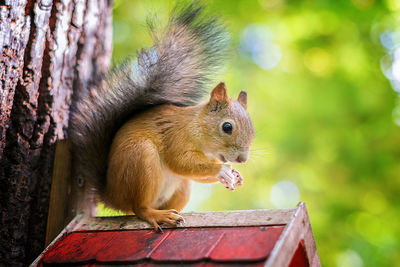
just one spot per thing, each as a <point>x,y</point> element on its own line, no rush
<point>222,158</point>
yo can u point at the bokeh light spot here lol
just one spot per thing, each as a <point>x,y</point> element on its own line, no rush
<point>389,39</point>
<point>396,65</point>
<point>396,115</point>
<point>349,258</point>
<point>374,202</point>
<point>318,61</point>
<point>257,44</point>
<point>386,66</point>
<point>393,4</point>
<point>268,57</point>
<point>284,194</point>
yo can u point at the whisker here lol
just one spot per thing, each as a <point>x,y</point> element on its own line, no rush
<point>261,130</point>
<point>258,149</point>
<point>258,156</point>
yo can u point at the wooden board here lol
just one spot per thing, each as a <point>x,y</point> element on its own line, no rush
<point>194,219</point>
<point>58,207</point>
<point>297,231</point>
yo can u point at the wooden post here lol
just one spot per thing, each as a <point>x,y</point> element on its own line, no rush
<point>69,194</point>
<point>60,190</point>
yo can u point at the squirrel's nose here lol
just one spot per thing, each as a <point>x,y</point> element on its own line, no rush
<point>239,159</point>
<point>242,158</point>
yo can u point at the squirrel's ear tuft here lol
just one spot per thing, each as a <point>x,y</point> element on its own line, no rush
<point>242,99</point>
<point>219,97</point>
<point>220,93</point>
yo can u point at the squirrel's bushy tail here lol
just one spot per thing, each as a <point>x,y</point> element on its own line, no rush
<point>175,70</point>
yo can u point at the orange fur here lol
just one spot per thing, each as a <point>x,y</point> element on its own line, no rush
<point>155,155</point>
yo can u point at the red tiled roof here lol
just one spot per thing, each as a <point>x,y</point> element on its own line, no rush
<point>194,246</point>
<point>272,238</point>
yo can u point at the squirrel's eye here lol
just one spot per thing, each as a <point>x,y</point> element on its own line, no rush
<point>227,127</point>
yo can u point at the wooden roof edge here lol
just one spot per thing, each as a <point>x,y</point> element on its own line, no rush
<point>69,228</point>
<point>193,220</point>
<point>297,231</point>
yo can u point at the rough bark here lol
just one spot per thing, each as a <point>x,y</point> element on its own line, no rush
<point>48,50</point>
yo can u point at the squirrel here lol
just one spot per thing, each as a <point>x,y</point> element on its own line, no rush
<point>142,135</point>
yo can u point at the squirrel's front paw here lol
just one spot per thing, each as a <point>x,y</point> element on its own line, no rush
<point>230,177</point>
<point>239,177</point>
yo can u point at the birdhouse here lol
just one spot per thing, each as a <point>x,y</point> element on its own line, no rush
<point>276,237</point>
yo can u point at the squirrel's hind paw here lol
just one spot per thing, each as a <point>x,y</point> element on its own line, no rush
<point>157,217</point>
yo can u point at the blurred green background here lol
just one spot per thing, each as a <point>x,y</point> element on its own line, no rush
<point>323,79</point>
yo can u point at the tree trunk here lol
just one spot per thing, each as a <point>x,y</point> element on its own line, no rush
<point>49,49</point>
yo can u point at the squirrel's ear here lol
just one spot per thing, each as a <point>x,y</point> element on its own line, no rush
<point>220,93</point>
<point>219,97</point>
<point>242,99</point>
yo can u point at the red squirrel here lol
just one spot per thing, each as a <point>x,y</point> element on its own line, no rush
<point>142,136</point>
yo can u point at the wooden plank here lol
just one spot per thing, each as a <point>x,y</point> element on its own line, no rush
<point>69,228</point>
<point>137,245</point>
<point>246,244</point>
<point>77,248</point>
<point>184,245</point>
<point>58,207</point>
<point>297,230</point>
<point>195,219</point>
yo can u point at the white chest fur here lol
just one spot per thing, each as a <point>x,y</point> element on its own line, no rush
<point>171,182</point>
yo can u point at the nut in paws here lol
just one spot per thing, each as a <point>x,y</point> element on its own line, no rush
<point>230,177</point>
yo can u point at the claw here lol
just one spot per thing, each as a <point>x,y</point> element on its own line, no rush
<point>159,230</point>
<point>179,221</point>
